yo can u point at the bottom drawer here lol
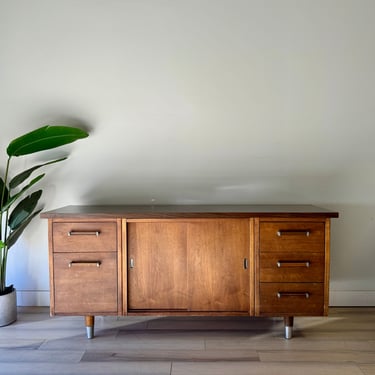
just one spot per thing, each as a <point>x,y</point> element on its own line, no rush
<point>291,298</point>
<point>85,283</point>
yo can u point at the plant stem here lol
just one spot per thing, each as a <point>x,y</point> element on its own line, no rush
<point>4,233</point>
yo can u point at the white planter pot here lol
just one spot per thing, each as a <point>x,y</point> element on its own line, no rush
<point>8,308</point>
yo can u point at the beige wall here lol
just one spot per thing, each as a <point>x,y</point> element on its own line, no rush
<point>200,101</point>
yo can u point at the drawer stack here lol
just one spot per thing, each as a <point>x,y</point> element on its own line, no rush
<point>291,268</point>
<point>84,265</point>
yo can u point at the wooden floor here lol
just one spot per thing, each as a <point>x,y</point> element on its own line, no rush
<point>343,343</point>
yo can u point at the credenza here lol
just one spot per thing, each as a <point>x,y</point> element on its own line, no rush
<point>215,260</point>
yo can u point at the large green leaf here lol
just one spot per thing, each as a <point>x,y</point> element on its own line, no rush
<point>13,237</point>
<point>23,210</point>
<point>16,196</point>
<point>21,177</point>
<point>44,138</point>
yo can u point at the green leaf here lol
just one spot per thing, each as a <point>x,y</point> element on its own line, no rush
<point>23,210</point>
<point>44,138</point>
<point>13,237</point>
<point>6,192</point>
<point>16,196</point>
<point>21,177</point>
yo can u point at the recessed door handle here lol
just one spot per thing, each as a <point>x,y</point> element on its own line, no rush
<point>245,264</point>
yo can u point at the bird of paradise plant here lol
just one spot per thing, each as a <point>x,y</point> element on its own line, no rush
<point>18,208</point>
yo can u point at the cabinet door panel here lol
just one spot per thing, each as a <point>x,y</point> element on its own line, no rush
<point>157,266</point>
<point>218,272</point>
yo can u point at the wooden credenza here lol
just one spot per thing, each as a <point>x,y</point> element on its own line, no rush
<point>189,260</point>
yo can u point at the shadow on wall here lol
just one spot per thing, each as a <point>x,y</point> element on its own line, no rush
<point>148,189</point>
<point>353,247</point>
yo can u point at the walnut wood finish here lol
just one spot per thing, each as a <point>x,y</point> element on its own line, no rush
<point>189,265</point>
<point>157,275</point>
<point>188,211</point>
<point>291,267</point>
<point>218,265</point>
<point>289,236</point>
<point>84,236</point>
<point>291,299</point>
<point>327,265</point>
<point>85,283</point>
<point>190,260</point>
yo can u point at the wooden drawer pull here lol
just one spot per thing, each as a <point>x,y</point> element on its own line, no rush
<point>293,263</point>
<point>293,294</point>
<point>96,263</point>
<point>283,232</point>
<point>84,233</point>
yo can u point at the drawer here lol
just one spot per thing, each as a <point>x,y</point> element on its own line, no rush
<point>292,267</point>
<point>291,299</point>
<point>291,236</point>
<point>84,236</point>
<point>85,283</point>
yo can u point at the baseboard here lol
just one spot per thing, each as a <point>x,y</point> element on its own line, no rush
<point>352,298</point>
<point>337,298</point>
<point>32,297</point>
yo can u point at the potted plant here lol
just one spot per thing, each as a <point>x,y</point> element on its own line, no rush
<point>18,204</point>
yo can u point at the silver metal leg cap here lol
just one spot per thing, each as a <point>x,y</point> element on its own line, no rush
<point>90,332</point>
<point>288,332</point>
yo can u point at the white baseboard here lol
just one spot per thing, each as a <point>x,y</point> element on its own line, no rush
<point>352,298</point>
<point>32,297</point>
<point>337,298</point>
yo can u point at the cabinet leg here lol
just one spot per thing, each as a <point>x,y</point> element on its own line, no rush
<point>89,321</point>
<point>288,324</point>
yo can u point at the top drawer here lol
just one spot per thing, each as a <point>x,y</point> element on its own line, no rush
<point>291,236</point>
<point>84,236</point>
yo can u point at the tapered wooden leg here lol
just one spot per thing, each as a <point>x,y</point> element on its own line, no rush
<point>288,324</point>
<point>89,321</point>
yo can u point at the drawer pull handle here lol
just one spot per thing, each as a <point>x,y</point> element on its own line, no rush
<point>293,294</point>
<point>131,263</point>
<point>96,263</point>
<point>83,233</point>
<point>283,232</point>
<point>293,263</point>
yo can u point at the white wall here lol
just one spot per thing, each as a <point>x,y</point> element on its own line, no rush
<point>199,101</point>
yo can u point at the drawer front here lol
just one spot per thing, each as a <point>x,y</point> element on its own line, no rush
<point>291,299</point>
<point>84,236</point>
<point>291,267</point>
<point>85,283</point>
<point>292,236</point>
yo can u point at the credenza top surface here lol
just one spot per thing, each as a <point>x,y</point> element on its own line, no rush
<point>187,211</point>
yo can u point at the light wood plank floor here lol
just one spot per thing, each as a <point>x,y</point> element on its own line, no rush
<point>343,343</point>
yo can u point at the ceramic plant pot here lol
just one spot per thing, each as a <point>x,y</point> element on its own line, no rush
<point>8,308</point>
